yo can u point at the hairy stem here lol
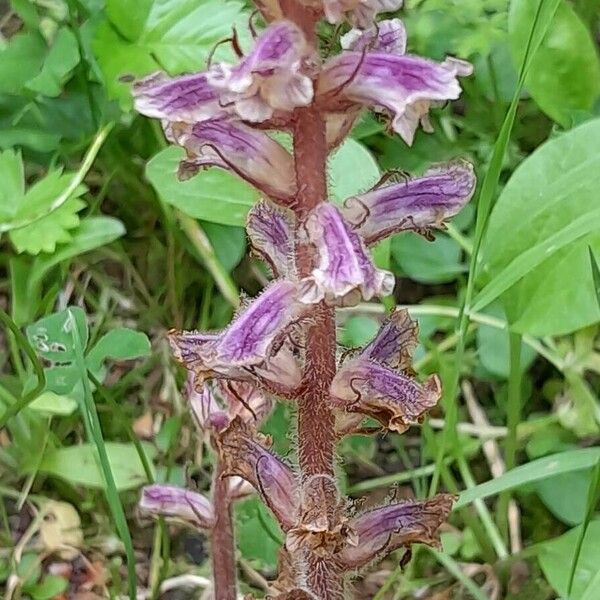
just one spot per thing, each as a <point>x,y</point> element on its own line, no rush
<point>223,547</point>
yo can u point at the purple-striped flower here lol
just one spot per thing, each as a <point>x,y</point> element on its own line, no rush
<point>271,233</point>
<point>359,12</point>
<point>379,383</point>
<point>252,347</point>
<point>417,204</point>
<point>403,86</point>
<point>344,272</point>
<point>171,501</point>
<point>229,144</point>
<point>270,78</point>
<point>387,36</point>
<point>387,528</point>
<point>243,455</point>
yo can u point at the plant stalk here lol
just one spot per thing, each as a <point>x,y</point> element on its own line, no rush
<point>223,546</point>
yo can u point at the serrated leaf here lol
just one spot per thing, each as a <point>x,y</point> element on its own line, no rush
<point>43,235</point>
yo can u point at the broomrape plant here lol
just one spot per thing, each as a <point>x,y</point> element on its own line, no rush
<point>282,345</point>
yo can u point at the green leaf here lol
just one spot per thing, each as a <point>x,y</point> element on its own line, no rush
<point>60,61</point>
<point>565,495</point>
<point>50,587</point>
<point>536,470</point>
<point>351,170</point>
<point>92,233</point>
<point>554,560</point>
<point>358,331</point>
<point>51,336</point>
<point>438,261</point>
<point>13,183</point>
<point>229,243</point>
<point>49,403</point>
<point>118,344</point>
<point>549,206</point>
<point>44,234</point>
<point>212,195</point>
<point>21,58</point>
<point>564,76</point>
<point>78,465</point>
<point>257,533</point>
<point>171,35</point>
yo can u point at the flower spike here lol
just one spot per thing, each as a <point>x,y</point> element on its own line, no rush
<point>243,455</point>
<point>171,501</point>
<point>229,144</point>
<point>384,529</point>
<point>271,234</point>
<point>387,36</point>
<point>344,273</point>
<point>269,78</point>
<point>417,204</point>
<point>404,86</point>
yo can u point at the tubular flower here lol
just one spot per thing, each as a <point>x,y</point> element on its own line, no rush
<point>388,36</point>
<point>359,12</point>
<point>269,78</point>
<point>403,86</point>
<point>344,273</point>
<point>417,204</point>
<point>171,501</point>
<point>378,383</point>
<point>384,529</point>
<point>271,233</point>
<point>243,454</point>
<point>266,80</point>
<point>255,345</point>
<point>229,144</point>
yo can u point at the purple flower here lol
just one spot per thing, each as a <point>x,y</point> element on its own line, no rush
<point>387,36</point>
<point>171,501</point>
<point>403,86</point>
<point>243,454</point>
<point>255,346</point>
<point>344,272</point>
<point>359,12</point>
<point>188,98</point>
<point>417,204</point>
<point>379,383</point>
<point>270,78</point>
<point>271,234</point>
<point>229,144</point>
<point>387,528</point>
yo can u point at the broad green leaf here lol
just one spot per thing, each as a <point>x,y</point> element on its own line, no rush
<point>22,57</point>
<point>51,336</point>
<point>171,35</point>
<point>438,261</point>
<point>554,558</point>
<point>550,200</point>
<point>229,243</point>
<point>536,470</point>
<point>565,495</point>
<point>564,76</point>
<point>257,532</point>
<point>352,170</point>
<point>50,403</point>
<point>213,195</point>
<point>78,465</point>
<point>13,183</point>
<point>52,586</point>
<point>118,344</point>
<point>60,61</point>
<point>358,331</point>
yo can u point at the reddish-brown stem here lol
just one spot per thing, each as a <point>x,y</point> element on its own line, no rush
<point>222,542</point>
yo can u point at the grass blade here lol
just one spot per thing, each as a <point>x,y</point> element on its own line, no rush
<point>90,417</point>
<point>595,273</point>
<point>592,499</point>
<point>536,470</point>
<point>543,17</point>
<point>454,568</point>
<point>24,344</point>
